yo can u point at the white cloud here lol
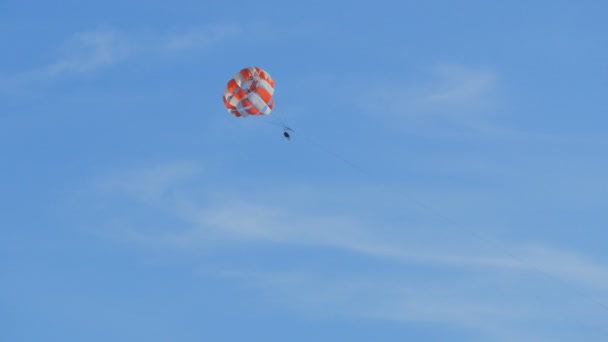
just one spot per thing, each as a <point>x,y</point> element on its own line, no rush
<point>259,219</point>
<point>453,301</point>
<point>448,101</point>
<point>457,86</point>
<point>286,225</point>
<point>81,53</point>
<point>200,38</point>
<point>473,283</point>
<point>453,91</point>
<point>90,51</point>
<point>149,184</point>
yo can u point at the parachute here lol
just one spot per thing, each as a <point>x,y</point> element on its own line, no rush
<point>249,92</point>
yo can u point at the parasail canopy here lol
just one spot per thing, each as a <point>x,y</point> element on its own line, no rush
<point>249,92</point>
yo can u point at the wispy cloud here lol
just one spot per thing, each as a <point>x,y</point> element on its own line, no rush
<point>91,51</point>
<point>284,225</point>
<point>444,101</point>
<point>483,285</point>
<point>461,302</point>
<point>200,38</point>
<point>457,86</point>
<point>81,53</point>
<point>149,184</point>
<point>450,91</point>
<point>291,222</point>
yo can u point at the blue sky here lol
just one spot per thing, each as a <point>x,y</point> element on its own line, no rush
<point>446,180</point>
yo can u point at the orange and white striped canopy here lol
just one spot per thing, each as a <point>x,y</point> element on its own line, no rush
<point>249,92</point>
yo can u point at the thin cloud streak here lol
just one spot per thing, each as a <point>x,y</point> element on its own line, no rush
<point>84,52</point>
<point>491,293</point>
<point>282,225</point>
<point>202,38</point>
<point>90,51</point>
<point>292,224</point>
<point>150,184</point>
<point>456,303</point>
<point>450,101</point>
<point>452,92</point>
